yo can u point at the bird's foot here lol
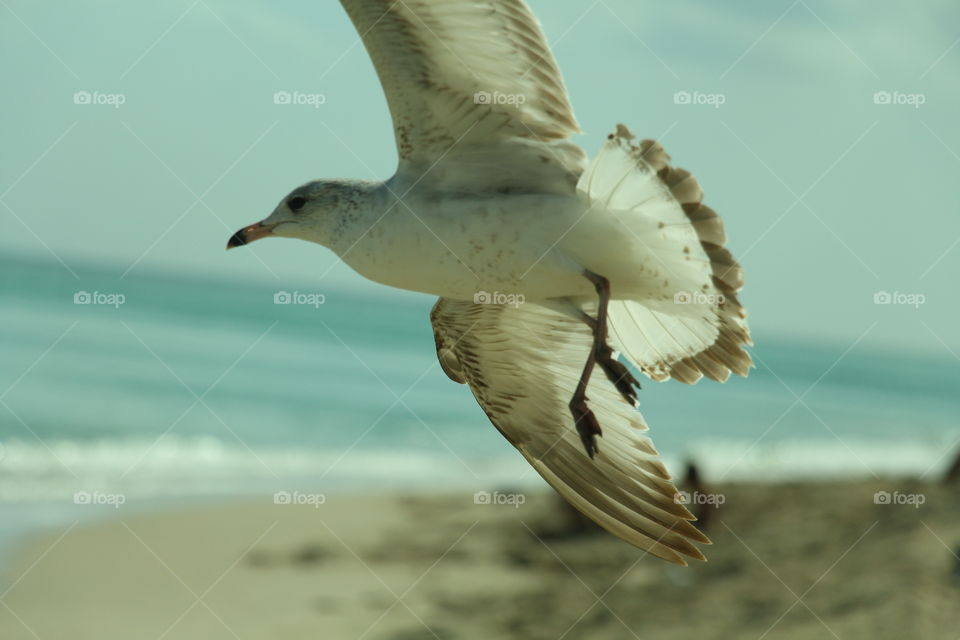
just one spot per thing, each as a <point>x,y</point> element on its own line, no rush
<point>619,375</point>
<point>587,425</point>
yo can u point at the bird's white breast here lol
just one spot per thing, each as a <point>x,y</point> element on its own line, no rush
<point>464,246</point>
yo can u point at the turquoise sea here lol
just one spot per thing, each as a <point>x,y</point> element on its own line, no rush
<point>163,389</point>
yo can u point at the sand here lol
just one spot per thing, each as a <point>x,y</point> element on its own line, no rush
<point>788,561</point>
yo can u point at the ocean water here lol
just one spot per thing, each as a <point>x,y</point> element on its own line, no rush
<point>193,388</point>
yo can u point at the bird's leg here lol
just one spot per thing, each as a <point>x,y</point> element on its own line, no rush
<point>586,422</point>
<point>616,371</point>
<point>587,425</point>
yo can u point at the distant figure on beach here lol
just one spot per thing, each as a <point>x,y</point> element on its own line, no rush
<point>694,486</point>
<point>548,265</point>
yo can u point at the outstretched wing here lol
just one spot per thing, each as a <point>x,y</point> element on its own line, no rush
<point>522,364</point>
<point>469,82</point>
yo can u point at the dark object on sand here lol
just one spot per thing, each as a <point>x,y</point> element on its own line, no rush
<point>697,492</point>
<point>953,473</point>
<point>956,568</point>
<point>564,522</point>
<point>691,478</point>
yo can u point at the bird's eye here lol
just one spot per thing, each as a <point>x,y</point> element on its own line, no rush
<point>296,203</point>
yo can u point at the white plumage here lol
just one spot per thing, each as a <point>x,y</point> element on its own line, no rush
<point>491,196</point>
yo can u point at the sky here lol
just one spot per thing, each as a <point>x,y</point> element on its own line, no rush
<point>141,135</point>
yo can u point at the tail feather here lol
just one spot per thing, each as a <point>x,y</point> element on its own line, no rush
<point>704,333</point>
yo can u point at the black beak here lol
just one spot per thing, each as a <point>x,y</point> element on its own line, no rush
<point>238,239</point>
<point>249,234</point>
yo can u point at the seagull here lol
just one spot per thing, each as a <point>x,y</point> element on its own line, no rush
<point>548,265</point>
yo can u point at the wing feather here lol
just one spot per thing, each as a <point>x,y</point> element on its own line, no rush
<point>471,82</point>
<point>522,364</point>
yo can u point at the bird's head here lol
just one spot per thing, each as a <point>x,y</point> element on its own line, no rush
<point>310,212</point>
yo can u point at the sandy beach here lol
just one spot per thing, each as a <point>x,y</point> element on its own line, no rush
<point>788,561</point>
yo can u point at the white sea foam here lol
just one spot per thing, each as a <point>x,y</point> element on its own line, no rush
<point>176,467</point>
<point>184,467</point>
<point>820,459</point>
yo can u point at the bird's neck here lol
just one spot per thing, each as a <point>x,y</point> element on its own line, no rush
<point>360,203</point>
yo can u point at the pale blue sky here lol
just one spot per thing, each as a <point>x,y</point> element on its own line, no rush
<point>828,197</point>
